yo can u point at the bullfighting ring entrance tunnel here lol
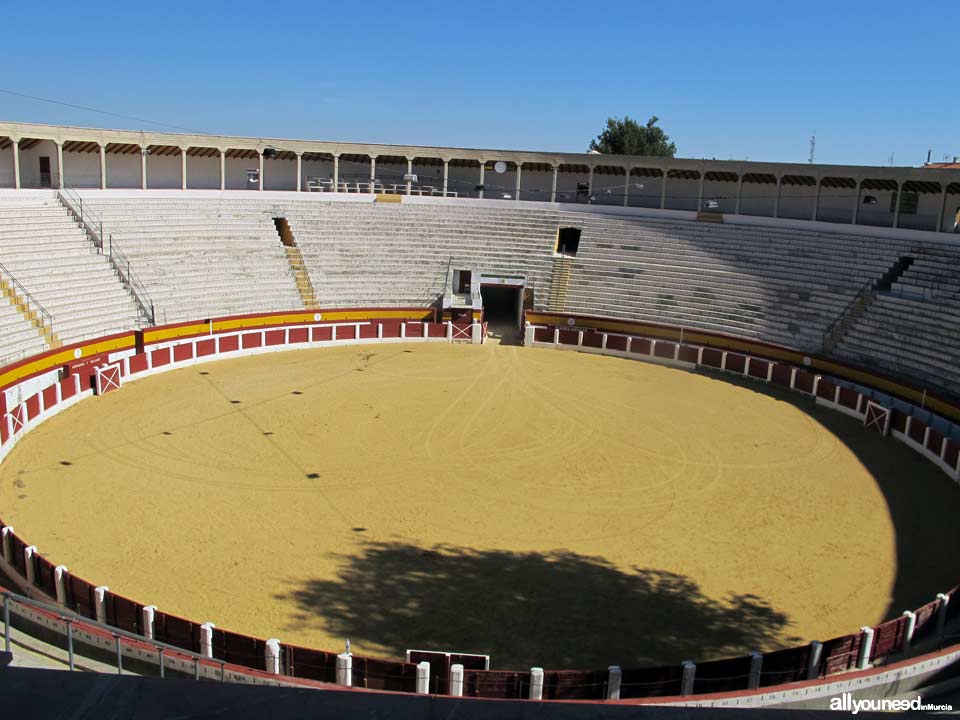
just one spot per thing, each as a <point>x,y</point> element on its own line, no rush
<point>542,507</point>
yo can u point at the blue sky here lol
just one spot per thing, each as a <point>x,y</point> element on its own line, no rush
<point>728,80</point>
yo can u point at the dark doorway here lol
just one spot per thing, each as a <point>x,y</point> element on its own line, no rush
<point>44,172</point>
<point>502,307</point>
<point>568,240</point>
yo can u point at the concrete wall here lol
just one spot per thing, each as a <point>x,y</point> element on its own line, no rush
<point>500,186</point>
<point>163,171</point>
<point>463,180</point>
<point>723,191</point>
<point>203,173</point>
<point>536,184</point>
<point>6,168</point>
<point>123,171</point>
<point>30,164</point>
<point>608,189</point>
<point>81,170</point>
<point>682,194</point>
<point>279,174</point>
<point>644,191</point>
<point>836,204</point>
<point>796,201</point>
<point>758,199</point>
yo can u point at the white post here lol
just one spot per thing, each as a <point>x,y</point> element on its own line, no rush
<point>449,333</point>
<point>345,669</point>
<point>7,532</point>
<point>103,167</point>
<point>271,652</point>
<point>536,683</point>
<point>99,598</point>
<point>143,166</point>
<point>553,187</point>
<point>476,333</point>
<point>793,378</point>
<point>942,612</point>
<point>756,665</point>
<point>299,171</point>
<point>703,177</point>
<point>813,661</point>
<point>16,164</point>
<point>614,678</point>
<point>183,168</point>
<point>147,617</point>
<point>223,169</point>
<point>899,200</point>
<point>409,172</point>
<point>689,674</point>
<point>456,680</point>
<point>866,646</point>
<point>943,208</point>
<point>423,678</point>
<point>336,172</point>
<point>373,173</point>
<point>260,173</point>
<point>626,187</point>
<point>483,167</point>
<point>28,553</point>
<point>590,187</point>
<point>528,335</point>
<point>776,203</point>
<point>206,639</point>
<point>736,209</point>
<point>816,202</point>
<point>910,628</point>
<point>60,583</point>
<point>664,174</point>
<point>59,164</point>
<point>519,168</point>
<point>723,360</point>
<point>446,175</point>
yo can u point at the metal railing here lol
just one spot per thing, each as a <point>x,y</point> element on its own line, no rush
<point>92,224</point>
<point>45,316</point>
<point>836,327</point>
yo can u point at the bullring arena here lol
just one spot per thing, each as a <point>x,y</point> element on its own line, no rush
<point>556,446</point>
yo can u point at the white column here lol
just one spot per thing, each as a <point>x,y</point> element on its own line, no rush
<point>183,168</point>
<point>736,208</point>
<point>16,164</point>
<point>206,639</point>
<point>223,169</point>
<point>756,665</point>
<point>703,177</point>
<point>28,553</point>
<point>813,661</point>
<point>260,174</point>
<point>6,534</point>
<point>409,172</point>
<point>663,188</point>
<point>910,627</point>
<point>856,204</point>
<point>519,168</point>
<point>536,683</point>
<point>299,171</point>
<point>689,674</point>
<point>100,602</point>
<point>590,187</point>
<point>456,680</point>
<point>943,207</point>
<point>423,678</point>
<point>483,167</point>
<point>942,612</point>
<point>776,204</point>
<point>373,171</point>
<point>336,172</point>
<point>60,583</point>
<point>553,187</point>
<point>866,646</point>
<point>896,211</point>
<point>816,202</point>
<point>143,167</point>
<point>614,678</point>
<point>103,166</point>
<point>59,164</point>
<point>271,651</point>
<point>446,175</point>
<point>345,669</point>
<point>626,187</point>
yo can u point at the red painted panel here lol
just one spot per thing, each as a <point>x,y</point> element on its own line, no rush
<point>804,381</point>
<point>4,435</point>
<point>274,337</point>
<point>935,441</point>
<point>206,347</point>
<point>736,363</point>
<point>849,398</point>
<point>322,334</point>
<point>50,396</point>
<point>758,368</point>
<point>391,328</point>
<point>781,374</point>
<point>159,358</point>
<point>640,346</point>
<point>368,331</point>
<point>917,430</point>
<point>33,406</point>
<point>688,353</point>
<point>712,358</point>
<point>252,340</point>
<point>593,339</point>
<point>182,352</point>
<point>436,330</point>
<point>953,453</point>
<point>66,389</point>
<point>617,342</point>
<point>299,335</point>
<point>542,334</point>
<point>826,389</point>
<point>664,349</point>
<point>899,421</point>
<point>414,329</point>
<point>229,343</point>
<point>138,363</point>
<point>568,337</point>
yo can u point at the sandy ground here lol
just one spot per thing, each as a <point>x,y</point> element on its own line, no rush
<point>547,507</point>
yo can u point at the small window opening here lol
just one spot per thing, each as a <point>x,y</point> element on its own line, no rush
<point>568,241</point>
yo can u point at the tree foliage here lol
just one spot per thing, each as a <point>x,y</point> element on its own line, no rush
<point>625,136</point>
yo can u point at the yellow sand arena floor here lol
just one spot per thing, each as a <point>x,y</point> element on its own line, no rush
<point>546,507</point>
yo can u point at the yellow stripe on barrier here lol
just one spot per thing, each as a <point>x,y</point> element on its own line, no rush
<point>124,342</point>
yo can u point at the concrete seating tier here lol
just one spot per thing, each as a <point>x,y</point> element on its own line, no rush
<point>43,247</point>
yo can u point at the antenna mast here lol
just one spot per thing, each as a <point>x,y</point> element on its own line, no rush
<point>813,147</point>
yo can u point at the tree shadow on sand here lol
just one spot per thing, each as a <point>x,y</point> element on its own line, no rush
<point>556,609</point>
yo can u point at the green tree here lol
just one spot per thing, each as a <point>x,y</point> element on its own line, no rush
<point>627,137</point>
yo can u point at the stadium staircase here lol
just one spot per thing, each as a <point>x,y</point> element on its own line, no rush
<point>560,284</point>
<point>29,309</point>
<point>300,274</point>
